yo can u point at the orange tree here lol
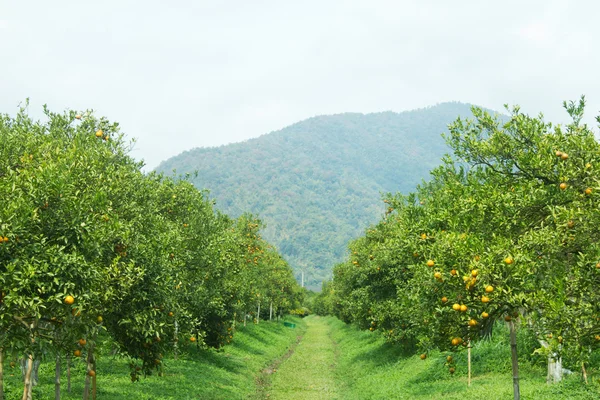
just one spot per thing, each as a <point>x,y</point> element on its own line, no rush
<point>52,266</point>
<point>497,233</point>
<point>90,242</point>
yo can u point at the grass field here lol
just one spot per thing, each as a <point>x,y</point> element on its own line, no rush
<point>199,374</point>
<point>322,358</point>
<point>367,368</point>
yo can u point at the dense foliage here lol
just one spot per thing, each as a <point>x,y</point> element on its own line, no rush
<point>90,243</point>
<point>317,183</point>
<point>506,230</point>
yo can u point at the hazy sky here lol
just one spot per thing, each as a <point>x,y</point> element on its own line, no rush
<point>189,73</point>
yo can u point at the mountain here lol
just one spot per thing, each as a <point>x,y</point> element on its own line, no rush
<point>317,184</point>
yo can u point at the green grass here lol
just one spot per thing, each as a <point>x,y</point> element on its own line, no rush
<point>309,373</point>
<point>332,361</point>
<point>199,374</point>
<point>368,368</point>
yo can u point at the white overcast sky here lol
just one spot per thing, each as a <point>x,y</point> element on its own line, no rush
<point>180,74</point>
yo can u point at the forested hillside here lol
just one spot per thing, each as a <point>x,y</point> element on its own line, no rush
<point>317,183</point>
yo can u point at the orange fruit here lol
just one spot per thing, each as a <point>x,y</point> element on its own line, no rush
<point>430,263</point>
<point>564,156</point>
<point>453,272</point>
<point>192,339</point>
<point>456,307</point>
<point>489,289</point>
<point>507,318</point>
<point>558,153</point>
<point>77,353</point>
<point>509,260</point>
<point>82,342</point>
<point>463,308</point>
<point>563,186</point>
<point>444,299</point>
<point>588,191</point>
<point>99,133</point>
<point>472,322</point>
<point>474,273</point>
<point>423,356</point>
<point>484,315</point>
<point>449,358</point>
<point>485,299</point>
<point>437,275</point>
<point>92,373</point>
<point>69,300</point>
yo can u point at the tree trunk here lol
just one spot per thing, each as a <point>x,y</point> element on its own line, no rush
<point>583,372</point>
<point>57,378</point>
<point>258,314</point>
<point>554,369</point>
<point>469,363</point>
<point>90,367</point>
<point>68,373</point>
<point>35,376</point>
<point>245,315</point>
<point>175,342</point>
<point>28,383</point>
<point>1,373</point>
<point>94,378</point>
<point>515,360</point>
<point>554,365</point>
<point>271,311</point>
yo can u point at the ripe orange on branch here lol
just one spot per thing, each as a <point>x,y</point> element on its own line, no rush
<point>69,300</point>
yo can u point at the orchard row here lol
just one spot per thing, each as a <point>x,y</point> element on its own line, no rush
<point>91,243</point>
<point>507,230</point>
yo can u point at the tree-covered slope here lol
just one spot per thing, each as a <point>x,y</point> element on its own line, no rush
<point>317,184</point>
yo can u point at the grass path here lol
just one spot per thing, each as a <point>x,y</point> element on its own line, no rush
<point>309,373</point>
